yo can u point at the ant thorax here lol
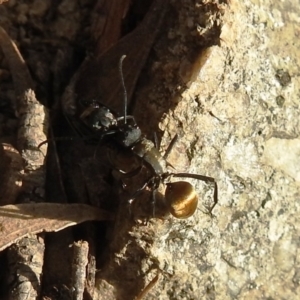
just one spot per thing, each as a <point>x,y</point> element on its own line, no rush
<point>127,135</point>
<point>151,156</point>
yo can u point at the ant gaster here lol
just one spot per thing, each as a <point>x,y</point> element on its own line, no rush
<point>180,197</point>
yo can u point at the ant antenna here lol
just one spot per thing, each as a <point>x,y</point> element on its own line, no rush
<point>124,88</point>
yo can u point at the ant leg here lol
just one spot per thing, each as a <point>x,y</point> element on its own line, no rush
<point>215,198</point>
<point>67,138</point>
<point>100,138</point>
<point>147,288</point>
<point>135,194</point>
<point>194,176</point>
<point>153,201</point>
<point>155,140</point>
<point>170,147</point>
<point>202,178</point>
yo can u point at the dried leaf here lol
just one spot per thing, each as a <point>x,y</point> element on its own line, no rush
<point>99,73</point>
<point>17,221</point>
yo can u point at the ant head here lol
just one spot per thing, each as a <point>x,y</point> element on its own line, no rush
<point>181,199</point>
<point>98,117</point>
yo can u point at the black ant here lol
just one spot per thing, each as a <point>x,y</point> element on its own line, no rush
<point>180,197</point>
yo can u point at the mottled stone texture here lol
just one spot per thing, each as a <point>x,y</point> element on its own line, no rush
<point>225,78</point>
<point>251,84</point>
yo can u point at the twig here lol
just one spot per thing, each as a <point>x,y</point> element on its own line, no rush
<point>80,260</point>
<point>11,174</point>
<point>33,127</point>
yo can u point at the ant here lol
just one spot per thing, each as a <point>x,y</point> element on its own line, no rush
<point>180,197</point>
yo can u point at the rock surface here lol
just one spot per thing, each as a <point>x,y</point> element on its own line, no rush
<point>235,107</point>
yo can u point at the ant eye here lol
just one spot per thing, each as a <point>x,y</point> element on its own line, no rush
<point>181,198</point>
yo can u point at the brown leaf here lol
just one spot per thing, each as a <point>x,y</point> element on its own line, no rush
<point>17,221</point>
<point>99,73</point>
